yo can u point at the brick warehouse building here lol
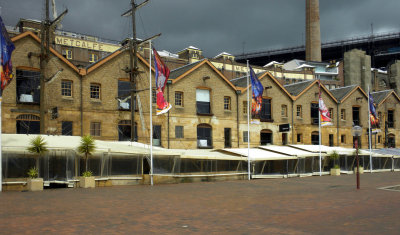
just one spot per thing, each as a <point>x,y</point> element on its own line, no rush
<point>87,102</point>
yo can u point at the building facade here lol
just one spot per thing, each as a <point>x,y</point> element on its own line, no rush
<point>209,110</point>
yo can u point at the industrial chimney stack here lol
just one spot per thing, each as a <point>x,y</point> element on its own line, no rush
<point>313,33</point>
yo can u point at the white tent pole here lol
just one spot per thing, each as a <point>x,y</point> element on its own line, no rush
<point>319,133</point>
<point>151,117</point>
<point>369,133</point>
<point>248,122</point>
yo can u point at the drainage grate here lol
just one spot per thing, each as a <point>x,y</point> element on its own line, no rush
<point>392,188</point>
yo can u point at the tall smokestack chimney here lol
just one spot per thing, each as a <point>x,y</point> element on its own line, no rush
<point>313,33</point>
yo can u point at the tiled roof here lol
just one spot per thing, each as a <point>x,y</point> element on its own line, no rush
<point>296,88</point>
<point>181,70</point>
<point>342,92</point>
<point>242,81</point>
<point>380,95</point>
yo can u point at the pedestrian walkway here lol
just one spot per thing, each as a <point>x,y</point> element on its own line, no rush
<point>312,205</point>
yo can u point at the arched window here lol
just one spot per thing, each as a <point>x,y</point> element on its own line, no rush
<point>28,124</point>
<point>315,138</point>
<point>266,137</point>
<point>204,136</point>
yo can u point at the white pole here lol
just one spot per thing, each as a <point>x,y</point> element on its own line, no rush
<point>151,118</point>
<point>319,132</point>
<point>1,167</point>
<point>369,134</point>
<point>248,122</point>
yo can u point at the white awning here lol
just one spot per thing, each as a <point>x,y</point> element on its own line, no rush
<point>286,150</point>
<point>259,154</point>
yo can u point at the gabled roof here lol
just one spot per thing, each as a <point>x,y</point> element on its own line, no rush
<point>380,96</point>
<point>183,71</point>
<point>296,88</point>
<point>342,93</point>
<point>302,87</point>
<point>109,57</point>
<point>36,38</point>
<point>241,82</point>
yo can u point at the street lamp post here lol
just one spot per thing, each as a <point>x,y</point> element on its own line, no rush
<point>356,131</point>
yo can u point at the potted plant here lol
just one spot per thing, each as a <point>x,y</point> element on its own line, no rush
<point>34,183</point>
<point>336,168</point>
<point>87,147</point>
<point>38,147</point>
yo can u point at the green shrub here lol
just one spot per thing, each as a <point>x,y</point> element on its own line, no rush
<point>33,173</point>
<point>87,174</point>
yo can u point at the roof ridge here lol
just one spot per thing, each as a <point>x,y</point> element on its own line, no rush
<point>186,65</point>
<point>382,91</point>
<point>298,83</point>
<point>344,87</point>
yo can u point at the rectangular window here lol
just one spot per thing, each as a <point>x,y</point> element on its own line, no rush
<point>379,139</point>
<point>95,128</point>
<point>299,112</point>
<point>331,140</point>
<point>179,98</point>
<point>314,113</point>
<point>179,132</point>
<point>67,54</point>
<point>284,110</point>
<point>28,86</point>
<point>244,107</point>
<point>66,128</point>
<point>227,103</point>
<point>203,101</point>
<point>331,113</point>
<point>390,118</point>
<point>124,92</point>
<point>299,138</point>
<point>245,136</point>
<point>343,139</point>
<point>266,110</point>
<point>154,96</point>
<point>93,58</point>
<point>66,88</point>
<point>227,137</point>
<point>356,116</point>
<point>157,135</point>
<point>343,114</point>
<point>95,91</point>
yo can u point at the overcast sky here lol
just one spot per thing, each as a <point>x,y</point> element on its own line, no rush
<point>216,25</point>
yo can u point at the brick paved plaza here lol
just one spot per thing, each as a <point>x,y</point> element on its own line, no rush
<point>313,205</point>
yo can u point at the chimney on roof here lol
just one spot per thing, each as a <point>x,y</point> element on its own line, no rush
<point>313,33</point>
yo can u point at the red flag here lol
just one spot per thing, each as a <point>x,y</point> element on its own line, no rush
<point>162,74</point>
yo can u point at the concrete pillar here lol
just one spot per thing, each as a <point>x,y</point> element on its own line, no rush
<point>357,69</point>
<point>313,33</point>
<point>394,76</point>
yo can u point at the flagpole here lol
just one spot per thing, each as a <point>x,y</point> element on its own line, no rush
<point>1,147</point>
<point>151,118</point>
<point>369,133</point>
<point>248,122</point>
<point>319,129</point>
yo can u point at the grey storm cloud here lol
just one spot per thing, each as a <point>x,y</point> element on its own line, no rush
<point>215,26</point>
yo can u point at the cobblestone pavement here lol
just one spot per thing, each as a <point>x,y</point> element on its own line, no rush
<point>312,205</point>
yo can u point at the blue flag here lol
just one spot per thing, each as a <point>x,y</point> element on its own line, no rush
<point>6,48</point>
<point>373,116</point>
<point>257,90</point>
